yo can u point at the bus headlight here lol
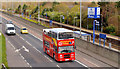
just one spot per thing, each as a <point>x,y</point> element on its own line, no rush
<point>72,55</point>
<point>61,56</point>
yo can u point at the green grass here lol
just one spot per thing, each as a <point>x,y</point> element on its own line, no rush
<point>34,21</point>
<point>3,59</point>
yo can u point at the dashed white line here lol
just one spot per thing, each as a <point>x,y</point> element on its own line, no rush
<point>17,34</point>
<point>21,38</point>
<point>36,49</point>
<point>22,57</point>
<point>28,43</point>
<point>36,37</point>
<point>58,66</point>
<point>11,45</point>
<point>48,58</point>
<point>81,63</point>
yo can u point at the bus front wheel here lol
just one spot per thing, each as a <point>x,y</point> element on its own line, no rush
<point>46,51</point>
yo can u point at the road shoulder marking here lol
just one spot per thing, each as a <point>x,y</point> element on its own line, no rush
<point>81,63</point>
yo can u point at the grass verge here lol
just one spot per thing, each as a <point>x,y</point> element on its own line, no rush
<point>34,21</point>
<point>3,59</point>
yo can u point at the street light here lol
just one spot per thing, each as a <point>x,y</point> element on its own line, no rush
<point>60,18</point>
<point>21,9</point>
<point>74,22</point>
<point>67,17</point>
<point>38,13</point>
<point>52,16</point>
<point>80,17</point>
<point>101,23</point>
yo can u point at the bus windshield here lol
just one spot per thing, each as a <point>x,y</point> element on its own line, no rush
<point>65,35</point>
<point>65,49</point>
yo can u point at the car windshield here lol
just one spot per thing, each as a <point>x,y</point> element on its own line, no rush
<point>24,29</point>
<point>66,49</point>
<point>65,35</point>
<point>11,28</point>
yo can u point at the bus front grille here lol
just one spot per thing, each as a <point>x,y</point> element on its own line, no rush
<point>67,56</point>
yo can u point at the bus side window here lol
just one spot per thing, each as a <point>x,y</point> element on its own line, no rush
<point>46,44</point>
<point>55,48</point>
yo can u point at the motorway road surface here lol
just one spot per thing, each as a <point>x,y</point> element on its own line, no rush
<point>27,51</point>
<point>29,41</point>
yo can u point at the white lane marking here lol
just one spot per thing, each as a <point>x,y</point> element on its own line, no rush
<point>36,49</point>
<point>21,38</point>
<point>17,50</point>
<point>17,34</point>
<point>36,37</point>
<point>25,60</point>
<point>11,45</point>
<point>28,43</point>
<point>25,48</point>
<point>48,58</point>
<point>91,62</point>
<point>81,63</point>
<point>20,55</point>
<point>58,66</point>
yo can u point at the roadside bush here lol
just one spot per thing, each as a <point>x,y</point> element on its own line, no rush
<point>110,29</point>
<point>29,20</point>
<point>90,26</point>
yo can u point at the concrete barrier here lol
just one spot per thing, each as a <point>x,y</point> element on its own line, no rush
<point>102,51</point>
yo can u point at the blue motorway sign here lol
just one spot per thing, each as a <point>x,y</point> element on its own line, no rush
<point>50,22</point>
<point>102,36</point>
<point>93,12</point>
<point>30,17</point>
<point>22,14</point>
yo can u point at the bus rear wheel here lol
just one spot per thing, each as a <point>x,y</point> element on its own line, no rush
<point>54,56</point>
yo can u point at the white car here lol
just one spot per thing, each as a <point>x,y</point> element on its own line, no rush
<point>10,29</point>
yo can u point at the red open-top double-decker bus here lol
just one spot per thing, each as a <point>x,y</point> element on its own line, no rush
<point>59,44</point>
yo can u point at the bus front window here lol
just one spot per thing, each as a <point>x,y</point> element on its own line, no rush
<point>65,35</point>
<point>66,49</point>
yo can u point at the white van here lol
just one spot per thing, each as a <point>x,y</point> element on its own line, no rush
<point>10,29</point>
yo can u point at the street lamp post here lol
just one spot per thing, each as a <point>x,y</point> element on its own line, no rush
<point>38,13</point>
<point>67,17</point>
<point>21,9</point>
<point>52,16</point>
<point>80,17</point>
<point>61,19</point>
<point>12,6</point>
<point>74,21</point>
<point>101,23</point>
